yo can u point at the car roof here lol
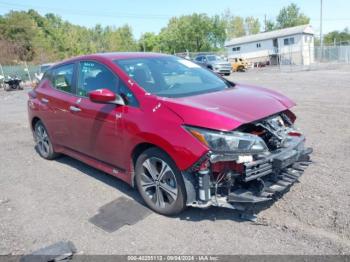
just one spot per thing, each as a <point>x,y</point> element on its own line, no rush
<point>111,56</point>
<point>126,55</point>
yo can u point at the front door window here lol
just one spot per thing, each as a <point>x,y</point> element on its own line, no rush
<point>93,75</point>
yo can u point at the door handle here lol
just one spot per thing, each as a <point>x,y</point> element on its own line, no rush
<point>44,100</point>
<point>74,109</point>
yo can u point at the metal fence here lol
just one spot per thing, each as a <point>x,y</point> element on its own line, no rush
<point>338,54</point>
<point>315,58</point>
<point>23,71</point>
<point>307,57</point>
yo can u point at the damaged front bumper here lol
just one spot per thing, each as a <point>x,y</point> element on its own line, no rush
<point>258,181</point>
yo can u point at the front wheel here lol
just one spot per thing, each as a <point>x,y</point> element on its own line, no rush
<point>160,182</point>
<point>43,142</point>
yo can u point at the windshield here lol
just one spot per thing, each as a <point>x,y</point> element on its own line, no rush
<point>171,76</point>
<point>213,58</point>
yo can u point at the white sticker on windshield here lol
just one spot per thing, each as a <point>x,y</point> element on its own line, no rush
<point>189,64</point>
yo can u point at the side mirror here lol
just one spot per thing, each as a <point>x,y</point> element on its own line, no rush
<point>105,96</point>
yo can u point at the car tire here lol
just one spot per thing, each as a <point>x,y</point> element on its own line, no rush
<point>43,142</point>
<point>160,182</point>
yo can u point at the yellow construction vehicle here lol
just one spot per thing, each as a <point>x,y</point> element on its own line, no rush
<point>239,64</point>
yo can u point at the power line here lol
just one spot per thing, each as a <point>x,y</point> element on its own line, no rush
<point>124,15</point>
<point>89,13</point>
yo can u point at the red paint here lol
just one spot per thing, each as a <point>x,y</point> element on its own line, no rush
<point>230,108</point>
<point>105,135</point>
<point>102,96</point>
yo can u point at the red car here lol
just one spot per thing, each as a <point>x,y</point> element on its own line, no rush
<point>181,134</point>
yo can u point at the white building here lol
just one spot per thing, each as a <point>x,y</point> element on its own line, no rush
<point>293,45</point>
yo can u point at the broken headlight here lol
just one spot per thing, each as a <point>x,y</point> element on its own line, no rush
<point>230,142</point>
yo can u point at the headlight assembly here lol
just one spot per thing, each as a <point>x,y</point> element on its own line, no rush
<point>229,142</point>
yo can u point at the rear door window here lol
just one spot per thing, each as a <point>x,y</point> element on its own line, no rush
<point>62,78</point>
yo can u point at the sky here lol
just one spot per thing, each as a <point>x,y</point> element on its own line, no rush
<point>152,15</point>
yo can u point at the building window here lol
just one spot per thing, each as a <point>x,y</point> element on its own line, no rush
<point>289,41</point>
<point>236,49</point>
<point>258,45</point>
<point>308,39</point>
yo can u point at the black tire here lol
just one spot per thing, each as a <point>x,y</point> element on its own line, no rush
<point>43,142</point>
<point>241,69</point>
<point>227,74</point>
<point>153,191</point>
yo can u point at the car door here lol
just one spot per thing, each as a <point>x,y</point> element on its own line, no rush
<point>97,128</point>
<point>56,94</point>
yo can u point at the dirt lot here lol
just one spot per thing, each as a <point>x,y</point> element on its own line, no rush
<point>43,202</point>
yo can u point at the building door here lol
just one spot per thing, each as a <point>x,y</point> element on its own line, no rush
<point>275,43</point>
<point>275,57</point>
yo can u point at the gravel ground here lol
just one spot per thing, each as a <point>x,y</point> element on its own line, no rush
<point>43,202</point>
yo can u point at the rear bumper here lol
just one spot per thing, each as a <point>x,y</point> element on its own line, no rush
<point>260,181</point>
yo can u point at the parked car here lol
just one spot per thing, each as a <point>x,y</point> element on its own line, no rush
<point>214,63</point>
<point>239,65</point>
<point>182,135</point>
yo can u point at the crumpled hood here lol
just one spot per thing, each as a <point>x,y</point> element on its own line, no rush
<point>228,109</point>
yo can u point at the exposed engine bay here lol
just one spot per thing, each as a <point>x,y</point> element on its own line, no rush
<point>233,179</point>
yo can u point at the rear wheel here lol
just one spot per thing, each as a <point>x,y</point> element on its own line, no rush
<point>160,182</point>
<point>43,142</point>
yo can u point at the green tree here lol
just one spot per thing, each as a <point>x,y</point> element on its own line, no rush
<point>234,25</point>
<point>291,16</point>
<point>20,29</point>
<point>338,37</point>
<point>121,39</point>
<point>149,42</point>
<point>252,25</point>
<point>270,26</point>
<point>217,35</point>
<point>195,33</point>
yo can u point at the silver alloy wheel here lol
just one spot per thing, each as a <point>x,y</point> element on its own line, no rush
<point>158,182</point>
<point>42,141</point>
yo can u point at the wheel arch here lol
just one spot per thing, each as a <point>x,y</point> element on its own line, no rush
<point>34,121</point>
<point>138,150</point>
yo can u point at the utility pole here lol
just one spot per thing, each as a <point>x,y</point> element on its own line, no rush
<point>265,21</point>
<point>2,78</point>
<point>143,42</point>
<point>321,28</point>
